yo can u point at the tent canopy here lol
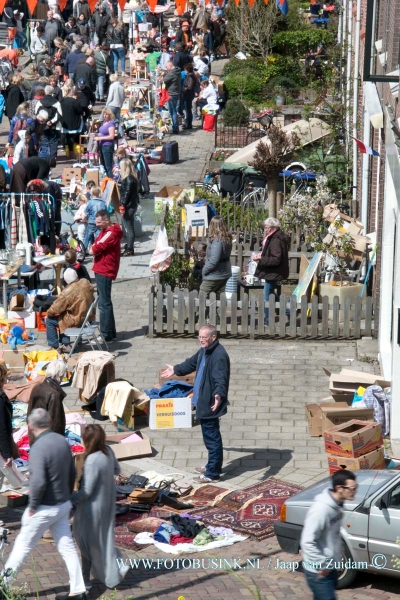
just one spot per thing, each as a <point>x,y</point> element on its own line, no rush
<point>308,132</point>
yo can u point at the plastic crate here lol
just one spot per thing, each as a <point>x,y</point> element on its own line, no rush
<point>41,321</point>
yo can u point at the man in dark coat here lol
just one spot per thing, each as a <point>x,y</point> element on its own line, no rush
<point>273,261</point>
<point>210,396</point>
<point>86,69</point>
<point>100,20</point>
<point>27,169</point>
<point>14,96</point>
<point>50,395</point>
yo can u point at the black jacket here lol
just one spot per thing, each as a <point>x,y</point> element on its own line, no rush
<point>9,17</point>
<point>274,262</point>
<point>116,36</point>
<point>86,97</point>
<point>189,85</point>
<point>71,113</point>
<point>100,22</point>
<point>179,39</point>
<point>215,379</point>
<point>5,426</point>
<point>85,71</point>
<point>14,97</point>
<point>129,197</point>
<point>181,59</point>
<point>35,167</point>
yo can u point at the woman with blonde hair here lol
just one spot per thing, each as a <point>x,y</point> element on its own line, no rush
<point>106,140</point>
<point>217,268</point>
<point>60,55</point>
<point>21,120</point>
<point>67,87</point>
<point>94,519</point>
<point>129,201</point>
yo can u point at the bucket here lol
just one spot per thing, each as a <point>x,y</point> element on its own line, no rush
<point>232,283</point>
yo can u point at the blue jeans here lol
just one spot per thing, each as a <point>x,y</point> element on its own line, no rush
<point>118,54</point>
<point>213,442</point>
<point>52,333</point>
<point>173,111</point>
<point>91,234</point>
<point>100,87</point>
<point>107,152</point>
<point>272,287</point>
<point>323,588</point>
<point>187,107</point>
<point>48,144</point>
<point>21,40</point>
<point>107,321</point>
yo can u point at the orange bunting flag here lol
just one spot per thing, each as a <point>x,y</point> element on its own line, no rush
<point>62,4</point>
<point>237,2</point>
<point>220,3</point>
<point>32,5</point>
<point>92,5</point>
<point>180,6</point>
<point>251,3</point>
<point>2,5</point>
<point>265,1</point>
<point>122,4</point>
<point>152,5</point>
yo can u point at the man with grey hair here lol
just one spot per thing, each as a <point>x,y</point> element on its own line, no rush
<point>273,261</point>
<point>86,69</point>
<point>210,396</point>
<point>172,81</point>
<point>51,483</point>
<point>74,58</point>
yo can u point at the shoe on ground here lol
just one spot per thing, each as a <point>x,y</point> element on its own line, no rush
<point>128,253</point>
<point>201,470</point>
<point>68,596</point>
<point>187,127</point>
<point>204,479</point>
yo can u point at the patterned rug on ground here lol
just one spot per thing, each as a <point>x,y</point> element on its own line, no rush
<point>123,537</point>
<point>251,511</point>
<point>206,495</point>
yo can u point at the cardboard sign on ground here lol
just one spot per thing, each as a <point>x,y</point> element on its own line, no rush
<point>326,415</point>
<point>347,381</point>
<point>353,439</point>
<point>372,460</point>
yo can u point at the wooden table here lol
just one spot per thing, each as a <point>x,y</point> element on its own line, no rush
<point>6,277</point>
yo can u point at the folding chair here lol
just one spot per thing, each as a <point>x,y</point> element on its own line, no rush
<point>88,332</point>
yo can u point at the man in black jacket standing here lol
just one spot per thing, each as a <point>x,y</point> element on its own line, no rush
<point>172,81</point>
<point>210,396</point>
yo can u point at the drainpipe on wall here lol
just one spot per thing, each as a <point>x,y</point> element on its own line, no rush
<point>365,173</point>
<point>355,103</point>
<point>348,77</point>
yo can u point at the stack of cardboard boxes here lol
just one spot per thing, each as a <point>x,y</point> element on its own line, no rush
<point>333,415</point>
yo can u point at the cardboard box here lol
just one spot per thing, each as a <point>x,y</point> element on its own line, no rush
<point>347,381</point>
<point>93,175</point>
<point>372,460</point>
<point>322,416</point>
<point>17,302</point>
<point>129,450</point>
<point>171,413</point>
<point>72,173</point>
<point>13,358</point>
<point>331,213</point>
<point>196,216</point>
<point>188,378</point>
<point>353,439</point>
<point>167,195</point>
<point>29,318</point>
<point>13,499</point>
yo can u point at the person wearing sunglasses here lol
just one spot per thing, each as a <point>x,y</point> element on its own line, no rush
<point>321,542</point>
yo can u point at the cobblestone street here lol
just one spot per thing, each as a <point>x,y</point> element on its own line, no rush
<point>264,433</point>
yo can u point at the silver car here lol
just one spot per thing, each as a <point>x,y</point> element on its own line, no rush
<point>370,527</point>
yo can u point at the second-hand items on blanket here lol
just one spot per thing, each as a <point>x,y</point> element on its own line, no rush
<point>93,371</point>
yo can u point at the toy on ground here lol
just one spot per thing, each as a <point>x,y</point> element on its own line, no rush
<point>18,335</point>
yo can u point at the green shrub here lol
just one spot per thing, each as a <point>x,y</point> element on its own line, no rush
<point>246,86</point>
<point>287,66</point>
<point>298,43</point>
<point>235,113</point>
<point>276,84</point>
<point>257,65</point>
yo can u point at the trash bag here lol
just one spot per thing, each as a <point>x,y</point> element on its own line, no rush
<point>161,257</point>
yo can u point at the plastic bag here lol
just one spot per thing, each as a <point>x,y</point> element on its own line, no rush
<point>251,267</point>
<point>161,257</point>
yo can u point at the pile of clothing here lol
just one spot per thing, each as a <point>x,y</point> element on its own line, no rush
<point>186,529</point>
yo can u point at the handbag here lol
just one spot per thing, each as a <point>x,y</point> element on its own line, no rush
<point>140,495</point>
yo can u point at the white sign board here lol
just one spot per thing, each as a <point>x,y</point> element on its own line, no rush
<point>170,413</point>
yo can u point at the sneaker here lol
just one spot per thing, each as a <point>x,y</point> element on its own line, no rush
<point>204,479</point>
<point>199,470</point>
